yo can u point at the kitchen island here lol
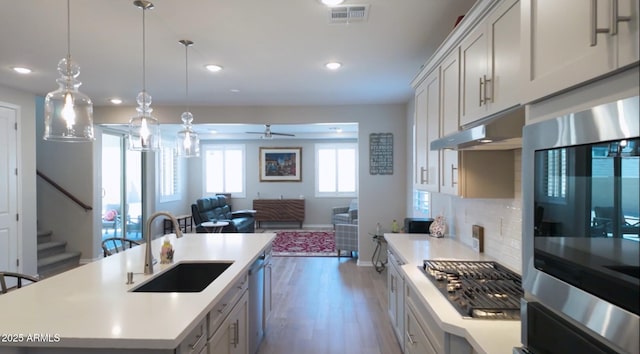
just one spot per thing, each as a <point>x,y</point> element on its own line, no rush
<point>449,331</point>
<point>91,309</point>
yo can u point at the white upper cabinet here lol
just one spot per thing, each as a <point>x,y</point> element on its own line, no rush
<point>450,121</point>
<point>568,42</point>
<point>427,123</point>
<point>490,64</point>
<point>420,137</point>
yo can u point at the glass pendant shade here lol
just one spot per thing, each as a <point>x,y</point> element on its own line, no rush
<point>68,113</point>
<point>188,142</point>
<point>144,129</point>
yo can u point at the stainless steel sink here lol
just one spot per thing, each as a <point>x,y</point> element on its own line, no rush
<point>187,277</point>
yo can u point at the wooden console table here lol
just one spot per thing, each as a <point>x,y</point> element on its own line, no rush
<point>285,210</point>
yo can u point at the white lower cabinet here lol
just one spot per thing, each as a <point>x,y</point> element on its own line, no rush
<point>196,341</point>
<point>422,333</point>
<point>232,335</point>
<point>416,339</point>
<point>395,286</point>
<point>228,321</point>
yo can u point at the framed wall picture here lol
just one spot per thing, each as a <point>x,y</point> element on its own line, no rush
<point>280,164</point>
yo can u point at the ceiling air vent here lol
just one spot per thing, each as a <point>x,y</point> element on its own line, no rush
<point>348,13</point>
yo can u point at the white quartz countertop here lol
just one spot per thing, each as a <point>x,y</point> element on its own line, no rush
<point>486,336</point>
<point>92,307</point>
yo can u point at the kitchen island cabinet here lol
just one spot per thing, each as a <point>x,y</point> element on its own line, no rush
<point>90,309</point>
<point>430,320</point>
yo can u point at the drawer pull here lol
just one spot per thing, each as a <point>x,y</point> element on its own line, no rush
<point>197,343</point>
<point>221,309</point>
<point>410,338</point>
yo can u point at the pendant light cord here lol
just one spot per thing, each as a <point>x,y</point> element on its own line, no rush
<point>144,88</point>
<point>186,74</point>
<point>68,31</point>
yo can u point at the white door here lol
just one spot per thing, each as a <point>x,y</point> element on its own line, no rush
<point>8,185</point>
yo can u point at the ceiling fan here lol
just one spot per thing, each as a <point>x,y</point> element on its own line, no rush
<point>268,134</point>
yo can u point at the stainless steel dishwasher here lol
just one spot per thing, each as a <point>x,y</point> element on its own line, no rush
<point>256,303</point>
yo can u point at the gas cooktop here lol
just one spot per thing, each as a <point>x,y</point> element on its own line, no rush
<point>477,289</point>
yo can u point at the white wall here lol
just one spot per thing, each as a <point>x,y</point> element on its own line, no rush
<point>382,198</point>
<point>27,226</point>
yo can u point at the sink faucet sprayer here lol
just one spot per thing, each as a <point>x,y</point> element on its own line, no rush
<point>148,256</point>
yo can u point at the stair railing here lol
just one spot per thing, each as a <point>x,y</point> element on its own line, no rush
<point>64,191</point>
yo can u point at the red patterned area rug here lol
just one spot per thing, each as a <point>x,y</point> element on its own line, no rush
<point>304,243</point>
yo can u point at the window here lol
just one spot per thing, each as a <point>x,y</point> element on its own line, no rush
<point>556,173</point>
<point>169,162</point>
<point>336,170</point>
<point>224,169</point>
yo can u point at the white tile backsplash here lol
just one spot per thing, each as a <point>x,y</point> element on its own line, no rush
<point>501,219</point>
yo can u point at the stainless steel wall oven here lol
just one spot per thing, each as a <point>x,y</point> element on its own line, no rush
<point>581,231</point>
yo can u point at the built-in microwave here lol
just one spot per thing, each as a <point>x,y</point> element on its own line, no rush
<point>581,229</point>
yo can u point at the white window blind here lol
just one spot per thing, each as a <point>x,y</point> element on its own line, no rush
<point>556,173</point>
<point>169,176</point>
<point>224,169</point>
<point>336,169</point>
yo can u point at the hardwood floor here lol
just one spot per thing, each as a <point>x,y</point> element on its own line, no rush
<point>328,305</point>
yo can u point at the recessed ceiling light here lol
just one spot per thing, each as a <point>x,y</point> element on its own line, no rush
<point>21,70</point>
<point>333,65</point>
<point>115,100</point>
<point>213,67</point>
<point>213,131</point>
<point>332,2</point>
<point>234,90</point>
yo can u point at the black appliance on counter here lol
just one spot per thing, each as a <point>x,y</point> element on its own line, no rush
<point>477,289</point>
<point>417,226</point>
<point>580,232</point>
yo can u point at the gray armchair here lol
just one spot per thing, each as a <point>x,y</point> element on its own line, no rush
<point>347,238</point>
<point>345,214</point>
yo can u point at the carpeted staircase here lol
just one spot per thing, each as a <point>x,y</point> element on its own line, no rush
<point>53,257</point>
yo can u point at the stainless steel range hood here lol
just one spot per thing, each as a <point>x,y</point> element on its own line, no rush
<point>502,131</point>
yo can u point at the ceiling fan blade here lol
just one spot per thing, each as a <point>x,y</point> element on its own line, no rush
<point>283,134</point>
<point>254,132</point>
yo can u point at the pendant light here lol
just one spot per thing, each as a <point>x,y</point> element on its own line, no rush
<point>188,143</point>
<point>68,113</point>
<point>144,129</point>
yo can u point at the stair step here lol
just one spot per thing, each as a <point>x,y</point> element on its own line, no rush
<point>44,236</point>
<point>46,249</point>
<point>49,266</point>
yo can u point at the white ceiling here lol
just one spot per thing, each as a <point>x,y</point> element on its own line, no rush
<point>272,51</point>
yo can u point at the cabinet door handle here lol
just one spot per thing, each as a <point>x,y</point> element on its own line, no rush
<point>615,18</point>
<point>410,338</point>
<point>594,24</point>
<point>392,277</point>
<point>424,175</point>
<point>480,92</point>
<point>487,99</point>
<point>237,334</point>
<point>234,337</point>
<point>453,169</point>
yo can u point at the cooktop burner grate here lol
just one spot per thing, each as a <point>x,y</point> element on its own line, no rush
<point>477,289</point>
